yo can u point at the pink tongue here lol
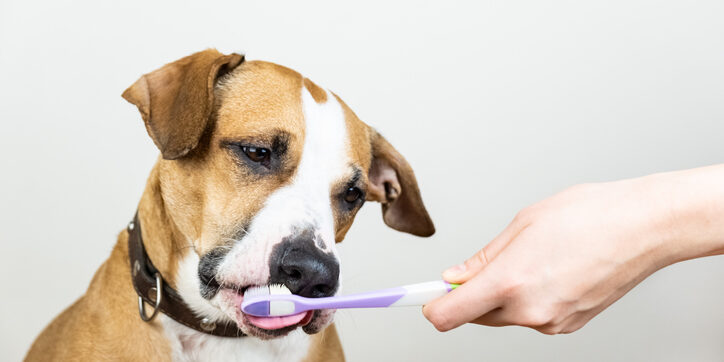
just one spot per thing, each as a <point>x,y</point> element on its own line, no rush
<point>276,322</point>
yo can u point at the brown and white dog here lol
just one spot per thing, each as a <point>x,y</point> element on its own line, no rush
<point>261,173</point>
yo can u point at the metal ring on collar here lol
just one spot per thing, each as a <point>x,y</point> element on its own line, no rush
<point>141,309</point>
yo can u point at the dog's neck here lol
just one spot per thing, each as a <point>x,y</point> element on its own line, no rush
<point>164,243</point>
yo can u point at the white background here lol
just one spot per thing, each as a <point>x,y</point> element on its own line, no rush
<point>495,104</point>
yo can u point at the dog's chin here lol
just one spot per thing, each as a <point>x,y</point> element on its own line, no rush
<point>311,322</point>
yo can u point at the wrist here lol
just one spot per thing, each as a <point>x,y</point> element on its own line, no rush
<point>689,208</point>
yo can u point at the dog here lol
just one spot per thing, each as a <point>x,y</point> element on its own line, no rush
<point>260,174</point>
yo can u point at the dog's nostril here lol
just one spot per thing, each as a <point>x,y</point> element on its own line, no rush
<point>322,289</point>
<point>294,274</point>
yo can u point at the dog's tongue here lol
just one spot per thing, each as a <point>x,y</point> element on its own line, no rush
<point>276,322</point>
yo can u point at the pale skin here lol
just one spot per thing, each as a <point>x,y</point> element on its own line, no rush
<point>565,259</point>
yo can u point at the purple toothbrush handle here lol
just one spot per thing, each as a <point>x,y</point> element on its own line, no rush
<point>377,299</point>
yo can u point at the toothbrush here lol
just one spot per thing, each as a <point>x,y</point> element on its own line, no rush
<point>276,300</point>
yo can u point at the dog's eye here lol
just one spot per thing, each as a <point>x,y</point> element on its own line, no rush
<point>352,194</point>
<point>256,154</point>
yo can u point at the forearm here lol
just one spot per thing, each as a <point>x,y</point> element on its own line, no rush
<point>693,201</point>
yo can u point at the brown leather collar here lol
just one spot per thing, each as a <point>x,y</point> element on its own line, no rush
<point>145,278</point>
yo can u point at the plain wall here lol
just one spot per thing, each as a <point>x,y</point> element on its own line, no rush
<point>495,104</point>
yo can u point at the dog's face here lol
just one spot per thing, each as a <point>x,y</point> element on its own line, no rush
<point>263,173</point>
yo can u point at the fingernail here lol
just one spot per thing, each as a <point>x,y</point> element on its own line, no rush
<point>456,270</point>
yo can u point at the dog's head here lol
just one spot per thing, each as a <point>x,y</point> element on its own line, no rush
<point>262,172</point>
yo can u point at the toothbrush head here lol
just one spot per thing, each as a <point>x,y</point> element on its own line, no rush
<point>268,301</point>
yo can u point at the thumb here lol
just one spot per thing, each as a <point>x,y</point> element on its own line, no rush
<point>463,272</point>
<point>466,303</point>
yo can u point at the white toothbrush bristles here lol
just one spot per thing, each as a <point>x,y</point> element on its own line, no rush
<point>257,291</point>
<point>264,290</point>
<point>279,289</point>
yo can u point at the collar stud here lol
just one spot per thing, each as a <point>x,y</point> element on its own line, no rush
<point>207,325</point>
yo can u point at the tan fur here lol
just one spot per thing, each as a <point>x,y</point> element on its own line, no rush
<point>326,346</point>
<point>198,196</point>
<point>262,100</point>
<point>96,327</point>
<point>319,95</point>
<point>104,323</point>
<point>360,153</point>
<point>176,101</point>
<point>392,183</point>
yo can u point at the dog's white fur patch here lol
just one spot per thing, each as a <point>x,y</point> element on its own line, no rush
<point>188,345</point>
<point>188,286</point>
<point>304,203</point>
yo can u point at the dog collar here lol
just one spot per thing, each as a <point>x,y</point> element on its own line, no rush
<point>151,289</point>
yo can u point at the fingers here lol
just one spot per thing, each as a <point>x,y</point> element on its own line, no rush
<point>555,321</point>
<point>495,318</point>
<point>480,293</point>
<point>471,267</point>
<point>467,302</point>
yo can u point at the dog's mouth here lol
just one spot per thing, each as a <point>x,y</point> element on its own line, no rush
<point>274,323</point>
<point>268,327</point>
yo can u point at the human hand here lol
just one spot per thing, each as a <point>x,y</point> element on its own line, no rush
<point>562,261</point>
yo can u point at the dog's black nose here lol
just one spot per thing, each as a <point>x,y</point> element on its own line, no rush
<point>304,268</point>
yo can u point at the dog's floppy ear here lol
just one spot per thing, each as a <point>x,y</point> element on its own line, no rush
<point>392,183</point>
<point>176,100</point>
